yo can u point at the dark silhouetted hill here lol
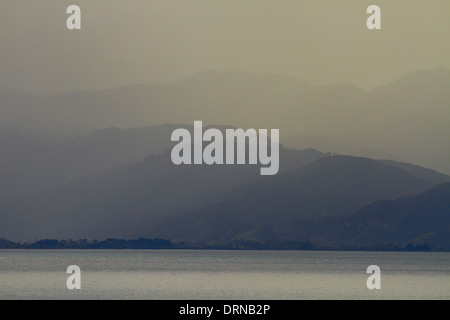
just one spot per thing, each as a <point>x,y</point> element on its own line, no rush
<point>329,187</point>
<point>418,219</point>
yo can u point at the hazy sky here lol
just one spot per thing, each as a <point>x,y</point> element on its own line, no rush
<point>129,42</point>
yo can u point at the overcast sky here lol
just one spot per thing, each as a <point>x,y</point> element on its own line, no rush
<point>147,41</point>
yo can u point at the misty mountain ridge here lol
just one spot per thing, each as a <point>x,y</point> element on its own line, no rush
<point>418,219</point>
<point>117,201</point>
<point>422,219</point>
<point>407,119</point>
<point>140,198</point>
<point>327,187</point>
<point>68,170</point>
<point>436,79</point>
<point>34,161</point>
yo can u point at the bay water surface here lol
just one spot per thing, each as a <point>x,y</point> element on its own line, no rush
<point>223,275</point>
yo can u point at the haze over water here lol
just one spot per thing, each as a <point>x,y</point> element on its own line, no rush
<point>228,275</point>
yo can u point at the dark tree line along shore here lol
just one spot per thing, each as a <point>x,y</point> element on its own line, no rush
<point>157,243</point>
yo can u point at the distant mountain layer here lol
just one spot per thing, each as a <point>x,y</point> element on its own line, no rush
<point>122,200</point>
<point>310,198</point>
<point>329,187</point>
<point>417,219</point>
<point>419,172</point>
<point>33,161</point>
<point>63,175</point>
<point>407,119</point>
<point>422,219</point>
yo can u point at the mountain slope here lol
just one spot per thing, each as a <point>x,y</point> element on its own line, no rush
<point>121,200</point>
<point>31,162</point>
<point>329,187</point>
<point>419,172</point>
<point>418,219</point>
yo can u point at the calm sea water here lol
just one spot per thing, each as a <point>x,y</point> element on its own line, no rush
<point>229,275</point>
